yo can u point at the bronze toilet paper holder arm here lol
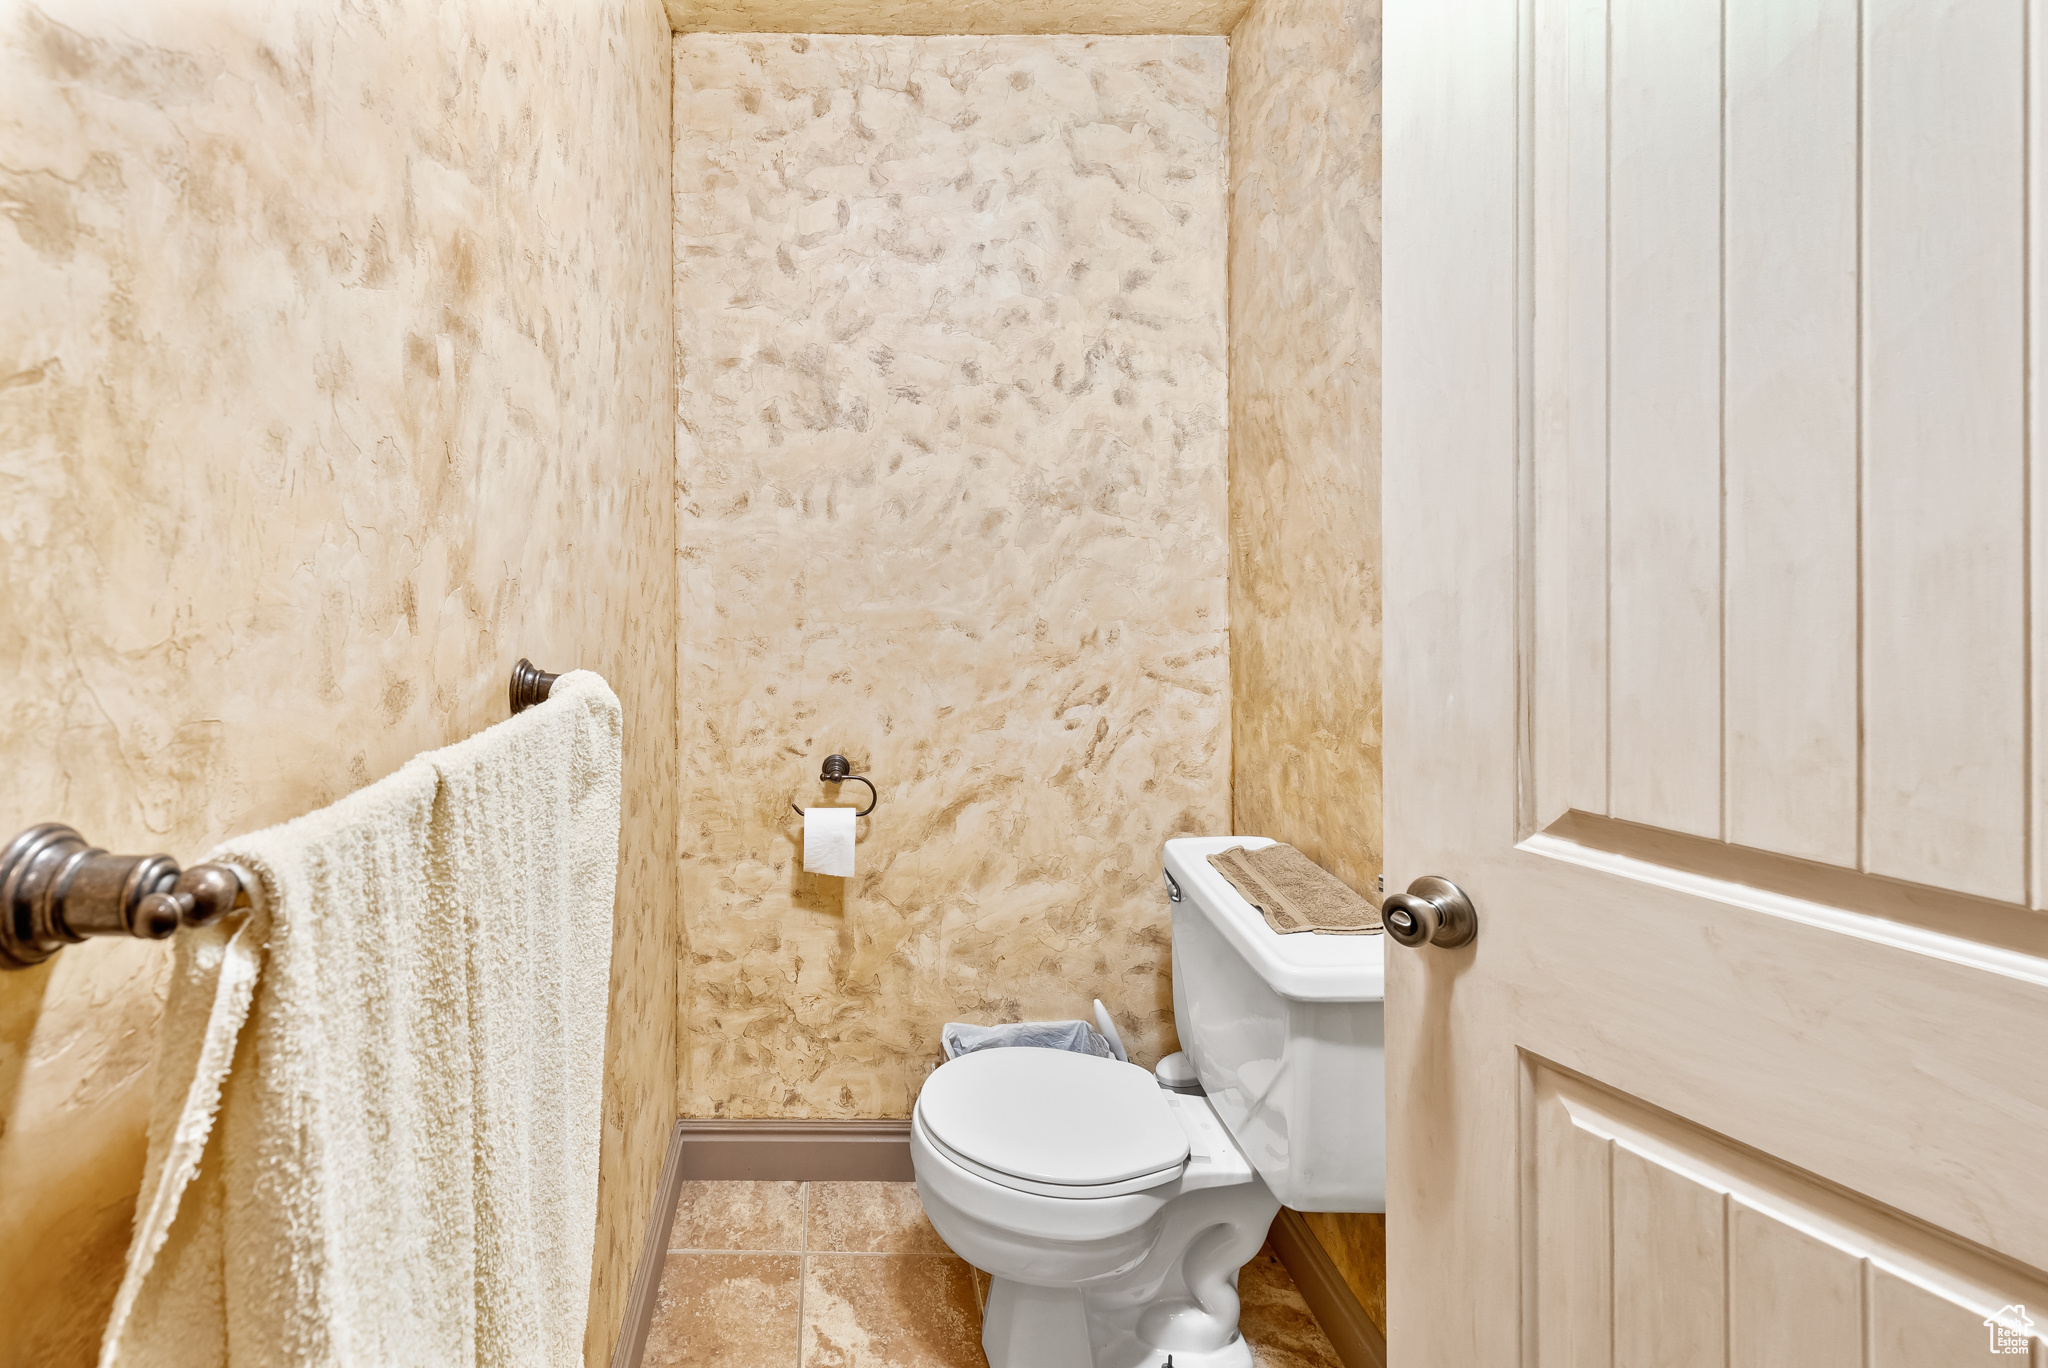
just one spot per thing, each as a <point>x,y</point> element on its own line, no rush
<point>837,771</point>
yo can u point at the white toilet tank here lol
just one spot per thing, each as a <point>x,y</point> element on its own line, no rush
<point>1288,1036</point>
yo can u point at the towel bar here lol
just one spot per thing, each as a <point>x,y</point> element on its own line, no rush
<point>530,684</point>
<point>56,890</point>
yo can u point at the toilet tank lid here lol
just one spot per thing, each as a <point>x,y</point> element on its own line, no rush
<point>1303,966</point>
<point>1051,1116</point>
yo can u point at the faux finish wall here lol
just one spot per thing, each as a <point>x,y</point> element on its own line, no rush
<point>334,376</point>
<point>950,336</point>
<point>1305,459</point>
<point>956,16</point>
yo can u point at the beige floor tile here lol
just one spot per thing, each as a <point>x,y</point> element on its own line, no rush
<point>751,1216</point>
<point>870,1218</point>
<point>726,1311</point>
<point>890,1311</point>
<point>1276,1322</point>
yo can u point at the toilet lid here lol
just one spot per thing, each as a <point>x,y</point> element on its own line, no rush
<point>1051,1116</point>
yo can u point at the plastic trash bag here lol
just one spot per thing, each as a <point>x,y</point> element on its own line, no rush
<point>1077,1037</point>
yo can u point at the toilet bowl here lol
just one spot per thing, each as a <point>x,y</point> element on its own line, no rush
<point>1112,1213</point>
<point>1112,1216</point>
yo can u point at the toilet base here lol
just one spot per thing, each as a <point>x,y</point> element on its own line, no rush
<point>1051,1327</point>
<point>1180,1299</point>
<point>1035,1327</point>
<point>1126,1351</point>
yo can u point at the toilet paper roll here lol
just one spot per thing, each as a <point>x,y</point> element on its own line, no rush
<point>828,841</point>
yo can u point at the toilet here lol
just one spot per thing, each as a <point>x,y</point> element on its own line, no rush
<point>1112,1206</point>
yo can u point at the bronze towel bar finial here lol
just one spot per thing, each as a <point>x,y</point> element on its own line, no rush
<point>55,890</point>
<point>530,685</point>
<point>837,771</point>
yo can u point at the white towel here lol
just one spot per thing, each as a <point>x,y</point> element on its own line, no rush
<point>828,841</point>
<point>375,1131</point>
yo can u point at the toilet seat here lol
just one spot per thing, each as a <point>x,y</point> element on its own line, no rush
<point>1053,1123</point>
<point>1064,1191</point>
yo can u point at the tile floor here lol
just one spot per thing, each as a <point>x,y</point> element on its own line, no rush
<point>851,1275</point>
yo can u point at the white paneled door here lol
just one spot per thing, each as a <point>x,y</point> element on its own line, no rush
<point>1716,597</point>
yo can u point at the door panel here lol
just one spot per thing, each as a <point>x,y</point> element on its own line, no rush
<point>1711,604</point>
<point>1945,458</point>
<point>1666,1240</point>
<point>1663,529</point>
<point>1790,329</point>
<point>1792,1298</point>
<point>1719,1255</point>
<point>1779,283</point>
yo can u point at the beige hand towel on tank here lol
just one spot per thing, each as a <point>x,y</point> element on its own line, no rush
<point>1295,894</point>
<point>375,1133</point>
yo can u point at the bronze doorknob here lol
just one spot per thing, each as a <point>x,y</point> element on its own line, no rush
<point>1432,912</point>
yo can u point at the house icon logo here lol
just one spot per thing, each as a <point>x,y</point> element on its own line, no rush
<point>2010,1330</point>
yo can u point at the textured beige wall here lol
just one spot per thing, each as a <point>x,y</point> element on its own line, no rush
<point>956,16</point>
<point>1305,459</point>
<point>334,375</point>
<point>950,330</point>
<point>1305,430</point>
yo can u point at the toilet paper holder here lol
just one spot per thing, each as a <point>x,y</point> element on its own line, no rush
<point>837,771</point>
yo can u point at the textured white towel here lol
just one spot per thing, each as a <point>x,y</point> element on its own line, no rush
<point>375,1132</point>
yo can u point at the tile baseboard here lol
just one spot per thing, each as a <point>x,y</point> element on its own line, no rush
<point>796,1151</point>
<point>646,1288</point>
<point>1352,1334</point>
